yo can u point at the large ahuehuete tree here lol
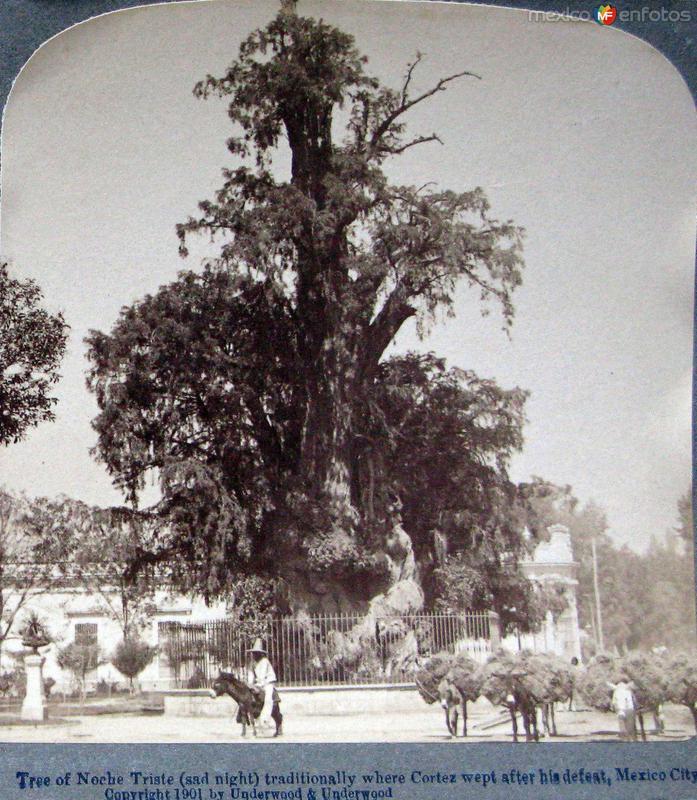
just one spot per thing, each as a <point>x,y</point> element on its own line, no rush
<point>32,343</point>
<point>259,391</point>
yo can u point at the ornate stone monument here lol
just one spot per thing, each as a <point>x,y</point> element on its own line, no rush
<point>33,707</point>
<point>34,636</point>
<point>553,565</point>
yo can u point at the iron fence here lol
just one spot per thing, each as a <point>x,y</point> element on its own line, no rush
<point>327,649</point>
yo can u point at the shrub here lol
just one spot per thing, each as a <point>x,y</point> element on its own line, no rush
<point>131,657</point>
<point>197,680</point>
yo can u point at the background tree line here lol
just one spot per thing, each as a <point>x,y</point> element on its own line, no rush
<point>647,599</point>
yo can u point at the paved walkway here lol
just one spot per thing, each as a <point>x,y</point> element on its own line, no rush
<point>424,724</point>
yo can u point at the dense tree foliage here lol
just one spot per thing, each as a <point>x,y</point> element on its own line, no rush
<point>254,602</point>
<point>27,560</point>
<point>32,343</point>
<point>94,548</point>
<point>258,392</point>
<point>669,594</point>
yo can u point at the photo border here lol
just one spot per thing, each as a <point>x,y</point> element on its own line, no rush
<point>24,26</point>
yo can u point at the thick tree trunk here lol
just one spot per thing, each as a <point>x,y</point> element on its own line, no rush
<point>325,464</point>
<point>341,348</point>
<point>328,471</point>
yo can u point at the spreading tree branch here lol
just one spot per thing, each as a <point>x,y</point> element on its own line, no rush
<point>406,104</point>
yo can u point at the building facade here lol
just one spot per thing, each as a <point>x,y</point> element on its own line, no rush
<point>552,566</point>
<point>72,613</point>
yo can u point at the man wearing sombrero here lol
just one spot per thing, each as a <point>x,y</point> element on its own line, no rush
<point>262,675</point>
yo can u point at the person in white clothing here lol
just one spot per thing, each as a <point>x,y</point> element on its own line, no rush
<point>625,707</point>
<point>262,675</point>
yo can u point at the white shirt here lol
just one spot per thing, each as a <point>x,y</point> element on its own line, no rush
<point>622,698</point>
<point>262,673</point>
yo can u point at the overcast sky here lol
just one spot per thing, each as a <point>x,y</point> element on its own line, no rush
<point>583,135</point>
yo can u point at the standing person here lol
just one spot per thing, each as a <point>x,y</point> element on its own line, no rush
<point>262,675</point>
<point>575,675</point>
<point>625,707</point>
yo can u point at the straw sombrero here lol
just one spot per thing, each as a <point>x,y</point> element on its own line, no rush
<point>257,647</point>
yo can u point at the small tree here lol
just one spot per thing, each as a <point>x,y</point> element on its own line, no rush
<point>80,659</point>
<point>131,657</point>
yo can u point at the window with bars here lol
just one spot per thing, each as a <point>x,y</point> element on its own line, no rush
<point>87,633</point>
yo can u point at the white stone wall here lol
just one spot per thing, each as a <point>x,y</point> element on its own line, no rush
<point>63,609</point>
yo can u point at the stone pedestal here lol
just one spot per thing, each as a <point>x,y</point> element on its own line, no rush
<point>33,707</point>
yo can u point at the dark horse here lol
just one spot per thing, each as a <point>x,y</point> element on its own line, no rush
<point>250,701</point>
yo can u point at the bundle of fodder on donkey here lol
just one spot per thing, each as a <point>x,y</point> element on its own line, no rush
<point>555,685</point>
<point>428,680</point>
<point>642,671</point>
<point>462,683</point>
<point>516,682</point>
<point>681,681</point>
<point>595,685</point>
<point>649,683</point>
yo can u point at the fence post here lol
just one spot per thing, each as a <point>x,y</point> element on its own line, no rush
<point>494,631</point>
